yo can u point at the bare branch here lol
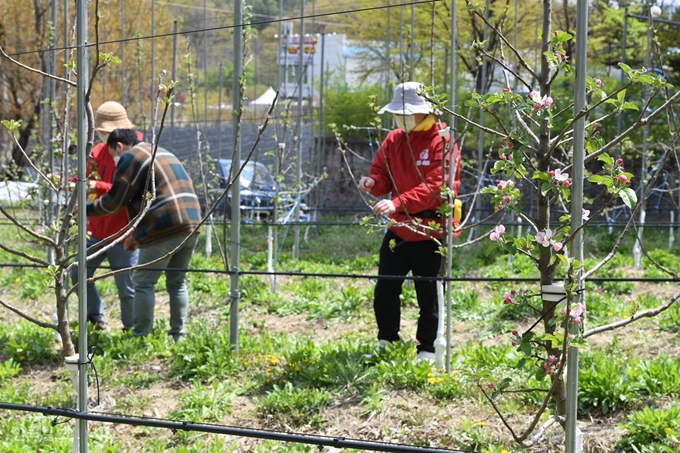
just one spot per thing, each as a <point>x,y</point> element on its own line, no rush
<point>36,71</point>
<point>27,317</point>
<point>652,312</point>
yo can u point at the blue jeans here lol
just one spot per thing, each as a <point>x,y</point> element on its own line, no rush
<point>118,259</point>
<point>144,280</point>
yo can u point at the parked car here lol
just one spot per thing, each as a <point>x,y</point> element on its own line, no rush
<point>258,191</point>
<point>16,192</point>
<point>23,191</point>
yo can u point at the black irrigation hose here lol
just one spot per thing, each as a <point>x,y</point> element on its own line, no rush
<point>375,276</point>
<point>247,223</point>
<point>321,441</point>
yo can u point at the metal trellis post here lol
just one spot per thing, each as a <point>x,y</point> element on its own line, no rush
<point>235,295</point>
<point>573,435</point>
<point>82,77</point>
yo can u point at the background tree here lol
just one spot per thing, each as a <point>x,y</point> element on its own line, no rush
<point>24,30</point>
<point>534,146</point>
<point>26,34</point>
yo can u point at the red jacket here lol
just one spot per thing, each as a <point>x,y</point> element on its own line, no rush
<point>413,176</point>
<point>101,167</point>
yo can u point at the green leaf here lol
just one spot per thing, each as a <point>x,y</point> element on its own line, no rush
<point>11,125</point>
<point>545,188</point>
<point>606,159</point>
<point>621,96</point>
<point>517,158</point>
<point>543,176</point>
<point>561,36</point>
<point>579,343</point>
<point>505,383</point>
<point>625,68</point>
<point>554,341</point>
<point>628,197</point>
<point>563,259</point>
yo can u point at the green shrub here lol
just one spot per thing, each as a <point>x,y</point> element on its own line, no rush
<point>446,386</point>
<point>28,343</point>
<point>321,301</point>
<point>396,367</point>
<point>479,356</point>
<point>617,268</point>
<point>9,369</point>
<point>206,403</point>
<point>37,433</point>
<point>669,320</point>
<point>665,258</point>
<point>605,383</point>
<point>652,428</point>
<point>205,353</point>
<point>659,377</point>
<point>295,407</point>
<point>466,304</point>
<point>374,400</point>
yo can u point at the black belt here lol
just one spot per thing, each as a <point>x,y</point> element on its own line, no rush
<point>427,215</point>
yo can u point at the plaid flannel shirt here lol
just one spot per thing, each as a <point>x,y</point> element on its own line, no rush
<point>174,211</point>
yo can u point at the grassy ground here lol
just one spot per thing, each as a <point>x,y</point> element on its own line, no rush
<point>299,365</point>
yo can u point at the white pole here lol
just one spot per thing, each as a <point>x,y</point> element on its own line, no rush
<point>452,141</point>
<point>270,256</point>
<point>298,164</point>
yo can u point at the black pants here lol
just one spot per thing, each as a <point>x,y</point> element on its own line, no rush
<point>422,260</point>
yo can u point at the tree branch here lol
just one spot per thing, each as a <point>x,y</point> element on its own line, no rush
<point>643,314</point>
<point>27,317</point>
<point>36,71</point>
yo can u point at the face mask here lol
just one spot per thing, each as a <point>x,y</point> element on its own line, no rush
<point>405,122</point>
<point>103,136</point>
<point>116,159</point>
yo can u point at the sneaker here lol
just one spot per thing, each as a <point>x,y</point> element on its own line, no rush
<point>382,345</point>
<point>425,356</point>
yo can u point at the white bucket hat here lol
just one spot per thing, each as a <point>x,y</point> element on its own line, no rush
<point>406,101</point>
<point>111,115</point>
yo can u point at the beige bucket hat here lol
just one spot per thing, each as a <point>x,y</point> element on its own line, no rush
<point>110,116</point>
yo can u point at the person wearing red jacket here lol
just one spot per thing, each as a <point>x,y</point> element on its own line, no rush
<point>100,169</point>
<point>408,169</point>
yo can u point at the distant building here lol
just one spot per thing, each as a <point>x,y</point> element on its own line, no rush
<point>321,52</point>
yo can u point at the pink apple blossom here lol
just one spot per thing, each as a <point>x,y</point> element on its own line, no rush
<point>497,233</point>
<point>559,176</point>
<point>539,101</point>
<point>544,237</point>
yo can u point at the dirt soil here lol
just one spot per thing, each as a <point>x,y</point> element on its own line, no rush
<point>408,415</point>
